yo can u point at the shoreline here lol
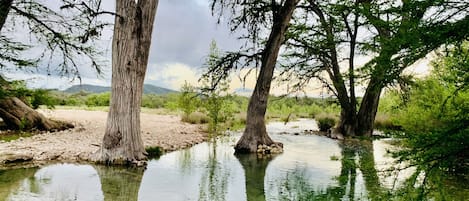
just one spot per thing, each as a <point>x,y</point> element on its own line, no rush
<point>77,145</point>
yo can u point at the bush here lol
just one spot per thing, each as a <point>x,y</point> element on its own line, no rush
<point>384,122</point>
<point>195,118</point>
<point>188,99</point>
<point>42,97</point>
<point>326,121</point>
<point>436,129</point>
<point>101,99</point>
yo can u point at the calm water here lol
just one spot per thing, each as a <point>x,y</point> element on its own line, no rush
<point>312,168</point>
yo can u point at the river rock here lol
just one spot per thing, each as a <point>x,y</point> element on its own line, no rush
<point>275,148</point>
<point>15,158</point>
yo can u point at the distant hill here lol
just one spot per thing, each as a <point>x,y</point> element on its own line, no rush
<point>147,89</point>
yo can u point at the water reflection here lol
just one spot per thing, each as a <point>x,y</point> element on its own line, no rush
<point>254,170</point>
<point>118,183</point>
<point>214,181</point>
<point>210,171</point>
<point>11,180</point>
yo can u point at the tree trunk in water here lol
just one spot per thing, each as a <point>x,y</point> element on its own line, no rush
<point>361,123</point>
<point>368,108</point>
<point>348,122</point>
<point>122,142</point>
<point>19,116</point>
<point>255,132</point>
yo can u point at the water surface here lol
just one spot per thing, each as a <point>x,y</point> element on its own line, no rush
<point>311,168</point>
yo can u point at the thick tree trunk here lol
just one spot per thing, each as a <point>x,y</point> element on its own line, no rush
<point>255,132</point>
<point>348,121</point>
<point>368,108</point>
<point>122,142</point>
<point>5,6</point>
<point>19,116</point>
<point>361,123</point>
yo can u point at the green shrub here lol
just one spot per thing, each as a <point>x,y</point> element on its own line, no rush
<point>154,152</point>
<point>195,118</point>
<point>385,122</point>
<point>42,97</point>
<point>326,121</point>
<point>188,100</point>
<point>101,99</point>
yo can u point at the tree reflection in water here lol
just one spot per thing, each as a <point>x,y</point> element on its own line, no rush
<point>254,170</point>
<point>357,156</point>
<point>11,180</point>
<point>214,181</point>
<point>120,183</point>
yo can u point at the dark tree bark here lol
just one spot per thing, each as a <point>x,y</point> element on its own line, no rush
<point>255,132</point>
<point>122,142</point>
<point>5,6</point>
<point>19,116</point>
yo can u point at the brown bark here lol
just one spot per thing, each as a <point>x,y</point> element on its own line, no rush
<point>368,109</point>
<point>122,142</point>
<point>255,132</point>
<point>5,6</point>
<point>19,116</point>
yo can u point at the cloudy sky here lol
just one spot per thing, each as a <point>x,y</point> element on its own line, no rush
<point>182,34</point>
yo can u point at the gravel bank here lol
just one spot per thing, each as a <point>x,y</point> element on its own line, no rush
<point>78,144</point>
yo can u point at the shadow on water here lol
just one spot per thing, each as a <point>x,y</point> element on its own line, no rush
<point>254,170</point>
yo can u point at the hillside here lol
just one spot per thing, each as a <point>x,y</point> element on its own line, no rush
<point>147,89</point>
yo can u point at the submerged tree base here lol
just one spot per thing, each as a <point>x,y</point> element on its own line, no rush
<point>248,144</point>
<point>116,157</point>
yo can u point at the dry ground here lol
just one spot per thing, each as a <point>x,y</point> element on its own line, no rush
<point>78,144</point>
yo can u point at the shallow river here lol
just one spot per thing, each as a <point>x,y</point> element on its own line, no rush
<point>311,168</point>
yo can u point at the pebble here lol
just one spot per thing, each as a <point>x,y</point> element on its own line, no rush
<point>267,150</point>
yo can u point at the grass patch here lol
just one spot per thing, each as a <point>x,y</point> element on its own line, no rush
<point>334,158</point>
<point>14,135</point>
<point>195,118</point>
<point>326,121</point>
<point>154,152</point>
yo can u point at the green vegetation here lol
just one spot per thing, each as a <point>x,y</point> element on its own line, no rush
<point>154,152</point>
<point>433,114</point>
<point>326,121</point>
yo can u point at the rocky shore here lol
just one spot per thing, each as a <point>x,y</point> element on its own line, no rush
<point>78,144</point>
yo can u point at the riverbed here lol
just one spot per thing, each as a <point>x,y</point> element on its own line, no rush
<point>311,168</point>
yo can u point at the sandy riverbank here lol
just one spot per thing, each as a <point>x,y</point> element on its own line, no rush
<point>78,144</point>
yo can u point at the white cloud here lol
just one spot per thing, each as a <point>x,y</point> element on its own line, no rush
<point>171,75</point>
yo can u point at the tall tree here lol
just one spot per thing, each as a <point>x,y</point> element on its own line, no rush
<point>257,16</point>
<point>394,34</point>
<point>62,39</point>
<point>122,142</point>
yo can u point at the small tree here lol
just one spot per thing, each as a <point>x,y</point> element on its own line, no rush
<point>188,100</point>
<point>215,97</point>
